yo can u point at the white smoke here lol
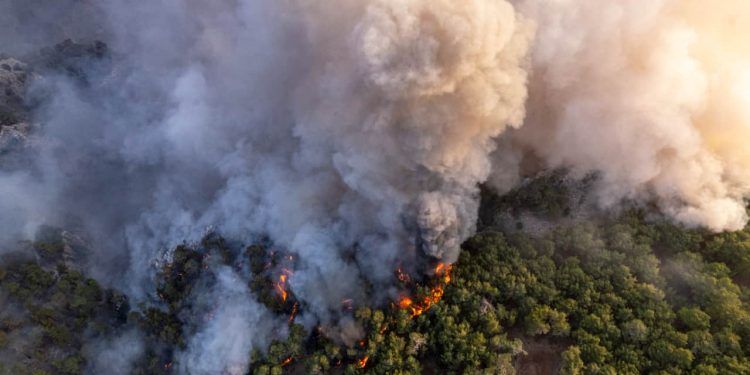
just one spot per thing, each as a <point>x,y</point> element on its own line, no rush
<point>652,94</point>
<point>372,130</point>
<point>234,326</point>
<point>403,100</point>
<point>114,356</point>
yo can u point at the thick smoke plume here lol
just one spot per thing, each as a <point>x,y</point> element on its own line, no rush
<point>354,134</point>
<point>653,95</point>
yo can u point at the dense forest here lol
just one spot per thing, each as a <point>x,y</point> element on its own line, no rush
<point>624,293</point>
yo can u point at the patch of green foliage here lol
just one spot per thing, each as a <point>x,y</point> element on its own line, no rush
<point>61,309</point>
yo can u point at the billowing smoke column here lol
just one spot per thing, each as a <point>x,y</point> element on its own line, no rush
<point>653,95</point>
<point>402,100</point>
<point>354,133</point>
<point>366,124</point>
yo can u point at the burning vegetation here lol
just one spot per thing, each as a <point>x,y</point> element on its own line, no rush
<point>274,271</point>
<point>286,361</point>
<point>281,285</point>
<point>362,363</point>
<point>420,305</point>
<point>417,297</point>
<point>294,312</point>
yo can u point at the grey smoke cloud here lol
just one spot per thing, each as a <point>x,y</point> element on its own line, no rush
<point>27,25</point>
<point>355,134</point>
<point>233,325</point>
<point>115,355</point>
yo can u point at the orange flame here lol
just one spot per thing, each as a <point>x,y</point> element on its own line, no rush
<point>439,268</point>
<point>363,362</point>
<point>287,361</point>
<point>443,273</point>
<point>405,302</point>
<point>282,291</point>
<point>281,285</point>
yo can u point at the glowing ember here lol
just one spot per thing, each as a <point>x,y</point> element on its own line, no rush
<point>405,302</point>
<point>363,362</point>
<point>287,361</point>
<point>443,277</point>
<point>294,312</point>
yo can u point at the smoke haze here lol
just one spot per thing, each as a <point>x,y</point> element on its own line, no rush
<point>651,94</point>
<point>355,134</point>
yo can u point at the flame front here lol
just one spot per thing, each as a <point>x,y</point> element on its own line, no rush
<point>443,275</point>
<point>286,361</point>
